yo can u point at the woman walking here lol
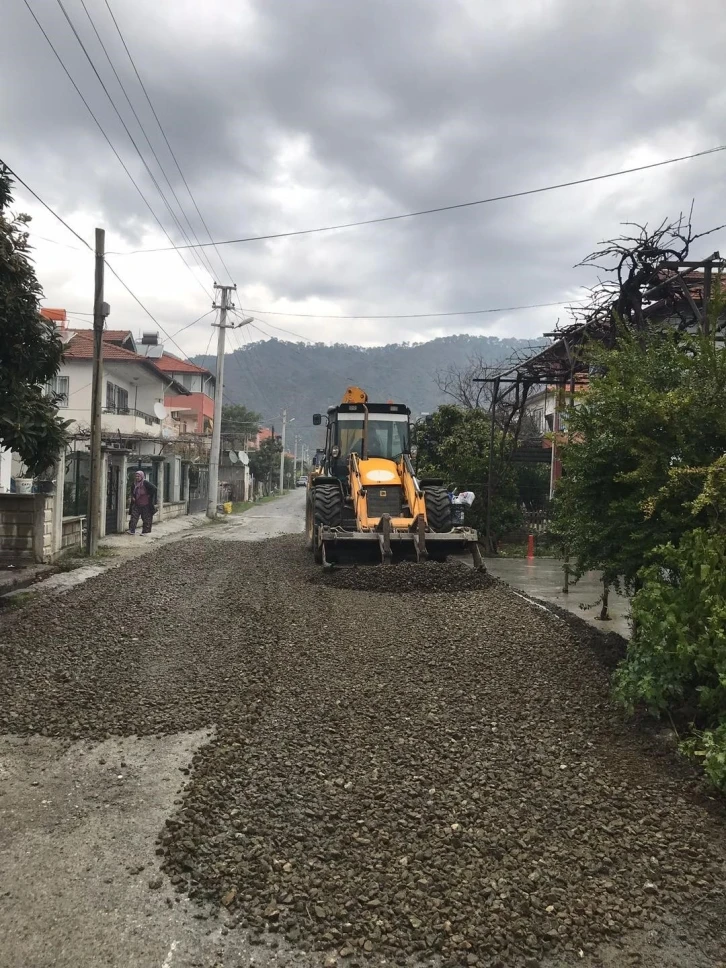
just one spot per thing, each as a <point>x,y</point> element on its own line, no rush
<point>143,501</point>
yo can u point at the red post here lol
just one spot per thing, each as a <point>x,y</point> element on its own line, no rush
<point>530,546</point>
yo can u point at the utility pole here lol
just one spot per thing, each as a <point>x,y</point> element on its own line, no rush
<point>294,461</point>
<point>224,305</point>
<point>100,311</point>
<point>282,452</point>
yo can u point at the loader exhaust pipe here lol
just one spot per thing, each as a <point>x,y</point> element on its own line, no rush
<point>364,445</point>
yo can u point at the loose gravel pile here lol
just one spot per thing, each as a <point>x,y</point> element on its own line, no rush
<point>436,776</point>
<point>430,577</point>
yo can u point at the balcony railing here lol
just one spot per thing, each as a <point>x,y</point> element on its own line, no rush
<point>148,418</point>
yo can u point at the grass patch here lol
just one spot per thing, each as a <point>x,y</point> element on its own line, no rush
<point>239,507</point>
<point>18,600</point>
<point>77,557</point>
<point>520,549</point>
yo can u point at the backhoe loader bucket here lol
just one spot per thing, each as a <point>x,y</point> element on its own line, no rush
<point>387,545</point>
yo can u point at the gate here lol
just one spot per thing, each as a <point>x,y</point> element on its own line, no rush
<point>112,488</point>
<point>198,487</point>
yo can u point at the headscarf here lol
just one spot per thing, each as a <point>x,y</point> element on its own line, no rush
<point>138,485</point>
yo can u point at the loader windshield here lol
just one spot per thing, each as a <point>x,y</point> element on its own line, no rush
<point>387,434</point>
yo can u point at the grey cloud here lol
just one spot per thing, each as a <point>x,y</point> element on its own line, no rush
<point>400,106</point>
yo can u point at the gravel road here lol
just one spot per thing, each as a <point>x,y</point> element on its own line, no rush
<point>379,766</point>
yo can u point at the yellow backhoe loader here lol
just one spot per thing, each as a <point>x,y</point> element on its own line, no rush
<point>364,501</point>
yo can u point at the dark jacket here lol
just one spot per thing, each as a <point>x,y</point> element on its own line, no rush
<point>150,490</point>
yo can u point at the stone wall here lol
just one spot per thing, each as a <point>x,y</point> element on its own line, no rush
<point>173,509</point>
<point>26,528</point>
<point>72,536</point>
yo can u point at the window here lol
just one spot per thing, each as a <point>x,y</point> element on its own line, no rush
<point>75,483</point>
<point>58,388</point>
<point>117,398</point>
<point>387,435</point>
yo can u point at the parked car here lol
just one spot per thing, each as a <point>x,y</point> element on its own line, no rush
<point>301,482</point>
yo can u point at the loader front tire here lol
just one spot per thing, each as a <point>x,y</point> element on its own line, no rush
<point>438,509</point>
<point>328,512</point>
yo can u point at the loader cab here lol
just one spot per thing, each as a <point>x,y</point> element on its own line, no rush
<point>384,434</point>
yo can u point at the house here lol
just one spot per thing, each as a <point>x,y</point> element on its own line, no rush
<point>195,403</point>
<point>139,431</point>
<point>546,413</point>
<point>263,434</point>
<point>134,388</point>
<point>136,429</point>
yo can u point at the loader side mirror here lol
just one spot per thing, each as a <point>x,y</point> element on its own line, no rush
<point>317,419</point>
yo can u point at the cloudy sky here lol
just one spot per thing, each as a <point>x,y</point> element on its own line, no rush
<point>291,114</point>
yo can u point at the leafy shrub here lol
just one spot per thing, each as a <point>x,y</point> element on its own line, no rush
<point>677,658</point>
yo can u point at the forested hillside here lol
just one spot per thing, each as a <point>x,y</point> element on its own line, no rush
<point>305,378</point>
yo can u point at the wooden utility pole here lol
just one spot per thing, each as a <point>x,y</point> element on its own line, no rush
<point>490,475</point>
<point>100,311</point>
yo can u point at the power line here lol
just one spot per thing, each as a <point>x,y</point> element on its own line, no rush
<point>272,325</point>
<point>54,242</point>
<point>45,205</point>
<point>461,312</point>
<point>106,138</point>
<point>447,208</point>
<point>248,361</point>
<point>133,142</point>
<point>110,267</point>
<point>203,316</point>
<point>281,330</point>
<point>161,128</point>
<point>146,137</point>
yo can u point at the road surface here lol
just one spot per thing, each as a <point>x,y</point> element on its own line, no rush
<point>213,755</point>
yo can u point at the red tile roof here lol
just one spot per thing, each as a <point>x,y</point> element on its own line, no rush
<point>172,364</point>
<point>80,347</point>
<point>57,315</point>
<point>116,335</point>
<point>109,335</point>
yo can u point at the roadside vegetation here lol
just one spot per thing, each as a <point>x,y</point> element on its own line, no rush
<point>643,498</point>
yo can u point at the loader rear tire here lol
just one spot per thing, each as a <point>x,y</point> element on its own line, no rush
<point>438,509</point>
<point>328,512</point>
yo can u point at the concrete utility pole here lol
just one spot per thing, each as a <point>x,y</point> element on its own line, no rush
<point>282,452</point>
<point>224,305</point>
<point>294,460</point>
<point>100,311</point>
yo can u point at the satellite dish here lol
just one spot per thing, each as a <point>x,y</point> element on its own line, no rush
<point>160,411</point>
<point>244,457</point>
<point>233,457</point>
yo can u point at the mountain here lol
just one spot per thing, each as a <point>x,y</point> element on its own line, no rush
<point>308,378</point>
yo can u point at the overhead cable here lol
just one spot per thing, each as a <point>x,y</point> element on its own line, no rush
<point>446,208</point>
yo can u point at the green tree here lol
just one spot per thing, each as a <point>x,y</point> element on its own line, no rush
<point>639,441</point>
<point>453,443</point>
<point>239,423</point>
<point>265,462</point>
<point>30,349</point>
<point>676,661</point>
